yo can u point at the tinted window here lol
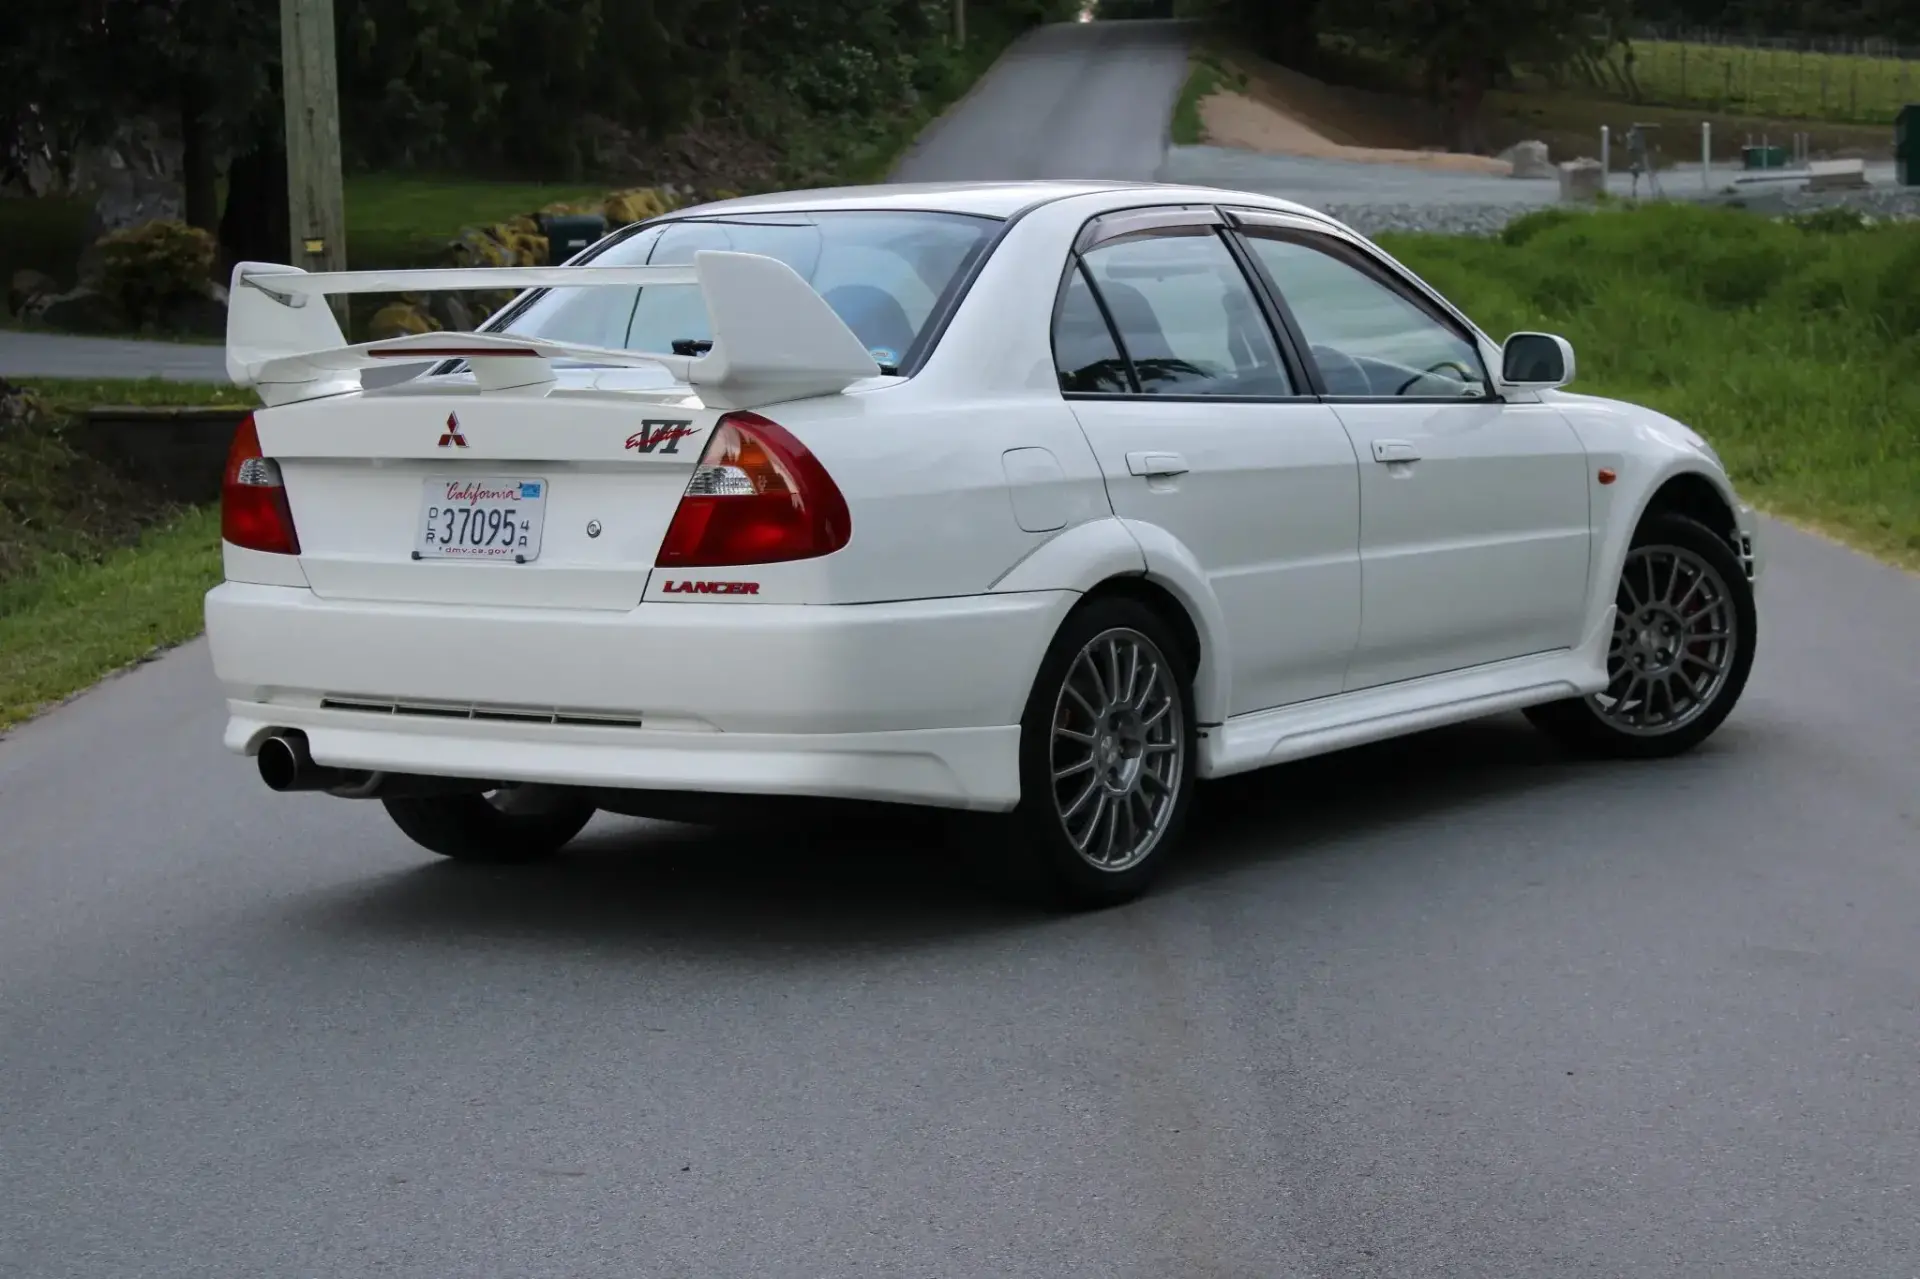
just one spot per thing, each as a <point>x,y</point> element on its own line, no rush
<point>1367,337</point>
<point>1083,348</point>
<point>883,273</point>
<point>1187,316</point>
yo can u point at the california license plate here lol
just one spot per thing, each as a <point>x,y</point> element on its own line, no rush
<point>483,519</point>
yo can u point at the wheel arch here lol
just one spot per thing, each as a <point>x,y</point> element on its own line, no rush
<point>1692,494</point>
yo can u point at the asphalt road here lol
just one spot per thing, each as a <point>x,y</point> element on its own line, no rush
<point>1449,1006</point>
<point>1071,101</point>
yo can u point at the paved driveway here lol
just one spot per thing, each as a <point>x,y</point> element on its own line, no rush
<point>1450,1006</point>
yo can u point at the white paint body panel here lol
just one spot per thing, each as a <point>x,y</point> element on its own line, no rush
<point>1476,550</point>
<point>1269,506</point>
<point>1335,599</point>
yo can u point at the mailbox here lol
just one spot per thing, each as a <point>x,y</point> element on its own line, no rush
<point>568,233</point>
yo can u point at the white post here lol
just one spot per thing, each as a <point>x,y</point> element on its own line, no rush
<point>1606,146</point>
<point>1706,155</point>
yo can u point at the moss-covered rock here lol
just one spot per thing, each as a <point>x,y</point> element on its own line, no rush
<point>398,319</point>
<point>622,208</point>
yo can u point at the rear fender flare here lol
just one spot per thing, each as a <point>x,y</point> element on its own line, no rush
<point>1175,569</point>
<point>1076,559</point>
<point>1087,555</point>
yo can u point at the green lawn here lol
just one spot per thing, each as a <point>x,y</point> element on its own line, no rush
<point>1792,351</point>
<point>1779,83</point>
<point>406,220</point>
<point>69,625</point>
<point>94,572</point>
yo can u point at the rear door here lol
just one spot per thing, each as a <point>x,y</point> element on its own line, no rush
<point>434,493</point>
<point>1195,412</point>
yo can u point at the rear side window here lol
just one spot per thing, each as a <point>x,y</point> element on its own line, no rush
<point>884,273</point>
<point>1187,317</point>
<point>1084,352</point>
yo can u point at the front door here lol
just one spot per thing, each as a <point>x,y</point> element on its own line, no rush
<point>1206,438</point>
<point>1474,531</point>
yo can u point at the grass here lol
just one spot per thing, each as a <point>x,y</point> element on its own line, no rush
<point>406,220</point>
<point>1375,97</point>
<point>1777,83</point>
<point>95,573</point>
<point>72,624</point>
<point>1795,352</point>
<point>1206,75</point>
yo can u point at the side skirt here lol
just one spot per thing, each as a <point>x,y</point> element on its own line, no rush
<point>1247,742</point>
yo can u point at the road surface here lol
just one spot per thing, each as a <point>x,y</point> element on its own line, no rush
<point>1449,1006</point>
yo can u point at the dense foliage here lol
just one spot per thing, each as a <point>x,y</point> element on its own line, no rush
<point>493,86</point>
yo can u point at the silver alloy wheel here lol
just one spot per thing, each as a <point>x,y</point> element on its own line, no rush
<point>1675,634</point>
<point>1118,750</point>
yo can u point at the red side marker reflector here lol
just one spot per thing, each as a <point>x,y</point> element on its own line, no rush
<point>1608,475</point>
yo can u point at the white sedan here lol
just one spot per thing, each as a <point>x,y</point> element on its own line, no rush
<point>1044,500</point>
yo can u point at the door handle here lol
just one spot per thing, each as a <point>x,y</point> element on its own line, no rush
<point>1395,451</point>
<point>1153,464</point>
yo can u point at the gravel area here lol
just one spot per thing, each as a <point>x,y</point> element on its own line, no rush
<point>1896,204</point>
<point>1375,197</point>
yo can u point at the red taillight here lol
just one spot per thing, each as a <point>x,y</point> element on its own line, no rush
<point>757,497</point>
<point>253,502</point>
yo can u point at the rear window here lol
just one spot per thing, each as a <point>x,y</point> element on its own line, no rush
<point>884,273</point>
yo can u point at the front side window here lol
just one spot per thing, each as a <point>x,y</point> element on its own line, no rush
<point>1367,337</point>
<point>1186,315</point>
<point>883,273</point>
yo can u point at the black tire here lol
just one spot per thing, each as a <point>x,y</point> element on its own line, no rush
<point>523,824</point>
<point>1584,725</point>
<point>1041,857</point>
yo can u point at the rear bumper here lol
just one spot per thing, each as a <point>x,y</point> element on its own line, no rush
<point>916,702</point>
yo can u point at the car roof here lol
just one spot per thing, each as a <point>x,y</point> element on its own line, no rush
<point>990,199</point>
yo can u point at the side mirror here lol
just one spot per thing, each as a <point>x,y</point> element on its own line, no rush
<point>1536,360</point>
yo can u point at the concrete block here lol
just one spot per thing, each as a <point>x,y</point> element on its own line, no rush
<point>1836,175</point>
<point>1529,160</point>
<point>1581,179</point>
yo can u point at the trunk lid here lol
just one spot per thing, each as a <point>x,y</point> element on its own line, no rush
<point>434,492</point>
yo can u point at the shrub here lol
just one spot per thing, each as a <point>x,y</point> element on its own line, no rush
<point>148,269</point>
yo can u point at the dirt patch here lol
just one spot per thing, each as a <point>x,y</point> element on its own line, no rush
<point>1236,120</point>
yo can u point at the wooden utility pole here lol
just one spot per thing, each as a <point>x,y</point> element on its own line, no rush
<point>310,83</point>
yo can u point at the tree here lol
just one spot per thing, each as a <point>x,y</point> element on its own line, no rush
<point>1461,48</point>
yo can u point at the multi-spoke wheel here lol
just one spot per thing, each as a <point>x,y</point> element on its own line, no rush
<point>1683,639</point>
<point>1106,754</point>
<point>513,824</point>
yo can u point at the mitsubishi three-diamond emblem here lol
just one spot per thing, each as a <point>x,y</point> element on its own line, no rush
<point>452,438</point>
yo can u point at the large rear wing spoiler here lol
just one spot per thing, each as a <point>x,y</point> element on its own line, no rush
<point>774,338</point>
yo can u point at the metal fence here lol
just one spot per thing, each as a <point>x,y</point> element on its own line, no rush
<point>1782,77</point>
